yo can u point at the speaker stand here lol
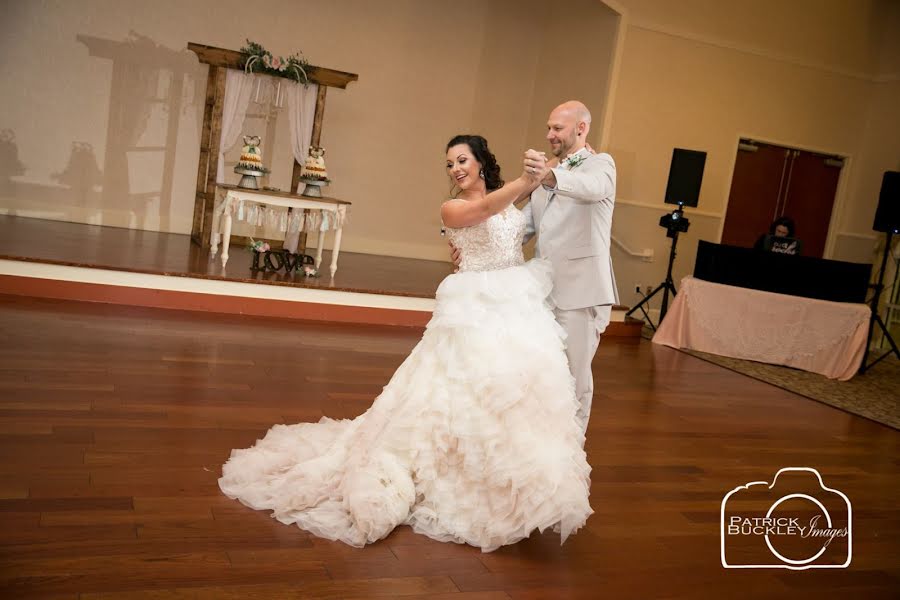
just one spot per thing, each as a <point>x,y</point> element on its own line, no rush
<point>875,318</point>
<point>665,287</point>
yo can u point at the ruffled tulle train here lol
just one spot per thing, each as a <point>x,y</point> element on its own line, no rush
<point>473,440</point>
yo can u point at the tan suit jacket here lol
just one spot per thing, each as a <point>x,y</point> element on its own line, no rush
<point>573,224</point>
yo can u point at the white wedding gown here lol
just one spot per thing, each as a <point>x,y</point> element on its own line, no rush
<point>473,440</point>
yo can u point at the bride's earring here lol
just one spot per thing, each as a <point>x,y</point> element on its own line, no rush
<point>481,174</point>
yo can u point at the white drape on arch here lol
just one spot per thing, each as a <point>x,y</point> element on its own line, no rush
<point>301,108</point>
<point>238,86</point>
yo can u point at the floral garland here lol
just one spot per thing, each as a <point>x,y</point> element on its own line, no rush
<point>260,60</point>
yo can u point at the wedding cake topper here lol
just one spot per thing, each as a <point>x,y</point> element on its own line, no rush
<point>250,164</point>
<point>314,174</point>
<point>314,168</point>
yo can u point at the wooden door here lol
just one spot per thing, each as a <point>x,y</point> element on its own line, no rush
<point>755,193</point>
<point>772,181</point>
<point>809,198</point>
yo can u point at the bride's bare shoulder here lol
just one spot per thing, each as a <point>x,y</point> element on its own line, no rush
<point>458,213</point>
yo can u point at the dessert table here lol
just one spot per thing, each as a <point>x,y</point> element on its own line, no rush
<point>820,336</point>
<point>317,215</point>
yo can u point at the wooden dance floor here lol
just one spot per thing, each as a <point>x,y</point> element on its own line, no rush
<point>114,423</point>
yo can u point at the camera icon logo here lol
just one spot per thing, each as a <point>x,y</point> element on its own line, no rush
<point>796,523</point>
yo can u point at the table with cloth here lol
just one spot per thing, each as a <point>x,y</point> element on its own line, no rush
<point>268,208</point>
<point>820,336</point>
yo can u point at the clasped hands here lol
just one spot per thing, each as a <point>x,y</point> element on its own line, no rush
<point>537,169</point>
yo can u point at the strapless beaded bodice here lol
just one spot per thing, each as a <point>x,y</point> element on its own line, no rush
<point>492,244</point>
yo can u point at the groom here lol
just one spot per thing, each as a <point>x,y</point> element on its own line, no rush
<point>571,214</point>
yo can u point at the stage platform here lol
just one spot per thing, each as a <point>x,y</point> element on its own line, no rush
<point>55,259</point>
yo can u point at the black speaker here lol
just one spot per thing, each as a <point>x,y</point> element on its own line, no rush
<point>685,177</point>
<point>887,215</point>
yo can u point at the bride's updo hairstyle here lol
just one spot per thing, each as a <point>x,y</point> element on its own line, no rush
<point>481,152</point>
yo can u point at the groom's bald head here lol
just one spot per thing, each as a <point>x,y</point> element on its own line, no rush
<point>576,110</point>
<point>567,128</point>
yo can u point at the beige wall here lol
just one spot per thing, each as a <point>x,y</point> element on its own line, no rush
<point>426,73</point>
<point>384,134</point>
<point>575,63</point>
<point>696,74</point>
<point>505,89</point>
<point>835,34</point>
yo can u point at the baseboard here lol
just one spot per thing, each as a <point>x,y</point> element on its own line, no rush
<point>87,284</point>
<point>196,301</point>
<point>628,328</point>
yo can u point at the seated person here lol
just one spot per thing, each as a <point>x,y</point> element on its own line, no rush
<point>780,238</point>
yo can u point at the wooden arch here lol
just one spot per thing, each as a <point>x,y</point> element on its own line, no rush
<point>218,60</point>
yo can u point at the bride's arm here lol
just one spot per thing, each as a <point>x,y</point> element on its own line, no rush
<point>465,213</point>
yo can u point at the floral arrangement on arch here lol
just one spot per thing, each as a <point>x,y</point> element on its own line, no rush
<point>260,60</point>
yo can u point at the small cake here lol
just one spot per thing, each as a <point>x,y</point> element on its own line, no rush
<point>251,158</point>
<point>314,167</point>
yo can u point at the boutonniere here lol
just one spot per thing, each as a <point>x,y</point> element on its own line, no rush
<point>573,161</point>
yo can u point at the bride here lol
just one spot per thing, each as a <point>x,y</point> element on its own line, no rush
<point>474,439</point>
